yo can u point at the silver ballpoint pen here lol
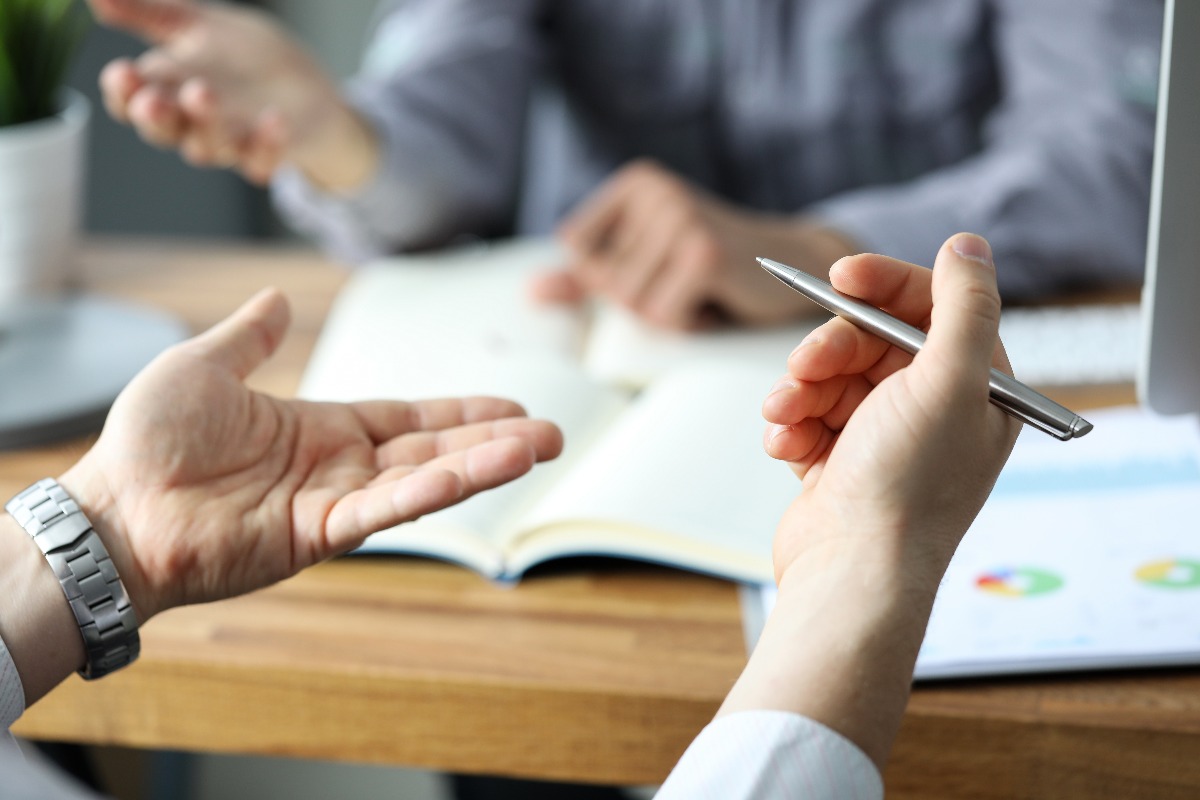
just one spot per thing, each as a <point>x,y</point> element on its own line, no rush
<point>1007,392</point>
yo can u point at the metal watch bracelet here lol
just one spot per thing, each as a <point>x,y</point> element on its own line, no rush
<point>83,567</point>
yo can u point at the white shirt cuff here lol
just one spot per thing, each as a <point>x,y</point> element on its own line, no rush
<point>766,755</point>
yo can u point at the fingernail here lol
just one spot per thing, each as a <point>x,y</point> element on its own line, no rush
<point>773,431</point>
<point>976,248</point>
<point>808,341</point>
<point>782,383</point>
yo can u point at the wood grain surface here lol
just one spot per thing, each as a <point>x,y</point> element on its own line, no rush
<point>588,671</point>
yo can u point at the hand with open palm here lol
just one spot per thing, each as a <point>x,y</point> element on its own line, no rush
<point>228,87</point>
<point>203,489</point>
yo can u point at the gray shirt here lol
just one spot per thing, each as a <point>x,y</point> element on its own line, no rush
<point>898,122</point>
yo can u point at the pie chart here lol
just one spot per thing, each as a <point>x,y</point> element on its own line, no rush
<point>1019,582</point>
<point>1170,573</point>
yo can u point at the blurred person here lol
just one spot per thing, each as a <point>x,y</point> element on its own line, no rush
<point>668,143</point>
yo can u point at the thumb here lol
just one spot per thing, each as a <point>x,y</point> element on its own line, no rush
<point>245,338</point>
<point>153,20</point>
<point>965,321</point>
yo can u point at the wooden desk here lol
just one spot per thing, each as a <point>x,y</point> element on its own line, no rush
<point>597,675</point>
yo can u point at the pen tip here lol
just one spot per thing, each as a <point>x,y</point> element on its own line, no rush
<point>780,271</point>
<point>1080,427</point>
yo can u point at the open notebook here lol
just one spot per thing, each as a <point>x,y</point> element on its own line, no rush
<point>1086,556</point>
<point>664,458</point>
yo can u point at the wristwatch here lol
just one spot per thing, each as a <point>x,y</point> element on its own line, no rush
<point>87,574</point>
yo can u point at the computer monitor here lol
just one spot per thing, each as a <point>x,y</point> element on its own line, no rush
<point>1169,372</point>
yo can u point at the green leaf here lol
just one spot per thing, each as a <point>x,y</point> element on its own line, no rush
<point>38,39</point>
<point>8,91</point>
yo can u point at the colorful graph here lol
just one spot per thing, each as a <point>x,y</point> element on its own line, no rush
<point>1170,573</point>
<point>1018,582</point>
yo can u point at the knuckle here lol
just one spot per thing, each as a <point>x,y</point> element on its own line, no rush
<point>195,153</point>
<point>982,301</point>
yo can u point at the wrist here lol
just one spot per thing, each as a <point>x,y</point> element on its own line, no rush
<point>342,154</point>
<point>866,581</point>
<point>839,646</point>
<point>36,622</point>
<point>86,485</point>
<point>80,563</point>
<point>875,577</point>
<point>822,533</point>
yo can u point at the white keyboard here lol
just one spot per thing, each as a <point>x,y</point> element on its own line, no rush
<point>1073,345</point>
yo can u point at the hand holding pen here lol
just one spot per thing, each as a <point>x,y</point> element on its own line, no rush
<point>896,453</point>
<point>1007,392</point>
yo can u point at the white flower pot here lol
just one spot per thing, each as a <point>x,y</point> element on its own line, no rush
<point>41,194</point>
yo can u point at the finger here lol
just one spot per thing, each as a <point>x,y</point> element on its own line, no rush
<point>245,338</point>
<point>263,148</point>
<point>485,465</point>
<point>119,81</point>
<point>361,513</point>
<point>160,68</point>
<point>900,288</point>
<point>645,281</point>
<point>156,116</point>
<point>594,271</point>
<point>408,493</point>
<point>799,400</point>
<point>812,442</point>
<point>154,20</point>
<point>964,331</point>
<point>592,242</point>
<point>585,234</point>
<point>427,446</point>
<point>831,401</point>
<point>586,231</point>
<point>384,420</point>
<point>793,442</point>
<point>676,299</point>
<point>208,141</point>
<point>559,287</point>
<point>643,253</point>
<point>841,348</point>
<point>853,391</point>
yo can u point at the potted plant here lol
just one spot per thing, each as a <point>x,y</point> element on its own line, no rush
<point>64,355</point>
<point>42,136</point>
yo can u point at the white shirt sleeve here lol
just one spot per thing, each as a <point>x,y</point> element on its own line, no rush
<point>772,755</point>
<point>12,693</point>
<point>26,779</point>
